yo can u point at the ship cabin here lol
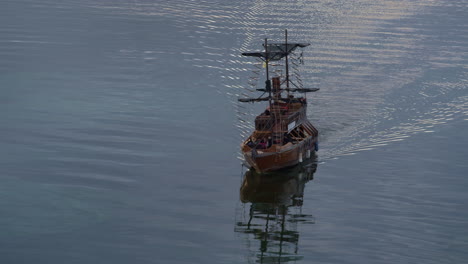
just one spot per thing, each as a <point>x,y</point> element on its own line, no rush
<point>282,123</point>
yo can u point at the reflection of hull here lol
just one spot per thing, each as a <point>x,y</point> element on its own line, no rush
<point>281,187</point>
<point>275,212</point>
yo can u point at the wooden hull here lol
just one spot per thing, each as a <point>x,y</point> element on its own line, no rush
<point>281,157</point>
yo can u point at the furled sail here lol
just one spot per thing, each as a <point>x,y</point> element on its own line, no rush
<point>276,51</point>
<point>299,90</point>
<point>249,100</point>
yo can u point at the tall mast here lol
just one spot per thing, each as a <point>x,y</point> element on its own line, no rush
<point>267,82</point>
<point>266,59</point>
<point>287,62</point>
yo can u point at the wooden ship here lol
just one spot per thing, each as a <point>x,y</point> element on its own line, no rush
<point>283,136</point>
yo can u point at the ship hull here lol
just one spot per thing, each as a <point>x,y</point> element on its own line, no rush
<point>284,157</point>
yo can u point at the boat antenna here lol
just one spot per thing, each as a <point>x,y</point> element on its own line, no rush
<point>267,82</point>
<point>287,62</point>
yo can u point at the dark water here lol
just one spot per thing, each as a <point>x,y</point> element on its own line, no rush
<point>120,131</point>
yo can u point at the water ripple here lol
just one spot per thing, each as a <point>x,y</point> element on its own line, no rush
<point>362,53</point>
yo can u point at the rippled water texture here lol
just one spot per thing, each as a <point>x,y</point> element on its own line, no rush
<point>120,131</point>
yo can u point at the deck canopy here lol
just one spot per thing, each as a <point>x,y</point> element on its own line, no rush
<point>276,51</point>
<point>250,100</point>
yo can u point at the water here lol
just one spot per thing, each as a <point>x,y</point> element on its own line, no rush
<point>120,133</point>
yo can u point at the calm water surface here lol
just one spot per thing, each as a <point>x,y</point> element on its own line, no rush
<point>120,131</point>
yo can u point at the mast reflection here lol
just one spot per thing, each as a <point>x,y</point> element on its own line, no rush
<point>271,211</point>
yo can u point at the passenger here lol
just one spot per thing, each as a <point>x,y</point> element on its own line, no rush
<point>301,133</point>
<point>270,142</point>
<point>250,143</point>
<point>262,144</point>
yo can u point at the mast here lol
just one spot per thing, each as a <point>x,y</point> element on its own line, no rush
<point>268,86</point>
<point>276,52</point>
<point>267,82</point>
<point>287,62</point>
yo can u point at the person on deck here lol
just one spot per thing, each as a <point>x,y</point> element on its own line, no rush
<point>262,144</point>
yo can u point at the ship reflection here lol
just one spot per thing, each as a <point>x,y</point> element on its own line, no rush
<point>271,212</point>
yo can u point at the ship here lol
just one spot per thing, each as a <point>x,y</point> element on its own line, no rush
<point>283,136</point>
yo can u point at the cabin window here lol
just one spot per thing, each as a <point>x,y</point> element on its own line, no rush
<point>263,125</point>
